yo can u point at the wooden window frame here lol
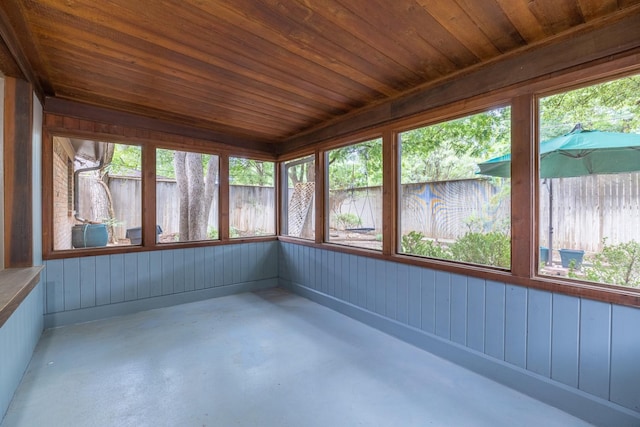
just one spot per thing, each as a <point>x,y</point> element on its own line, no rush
<point>523,99</point>
<point>71,127</point>
<point>324,178</point>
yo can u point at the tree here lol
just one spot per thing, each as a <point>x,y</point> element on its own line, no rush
<point>612,106</point>
<point>196,191</point>
<point>244,171</point>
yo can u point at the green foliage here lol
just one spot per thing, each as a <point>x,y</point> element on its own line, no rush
<point>493,248</point>
<point>415,243</point>
<point>356,166</point>
<point>348,220</point>
<point>616,264</point>
<point>212,233</point>
<point>244,171</point>
<point>451,150</point>
<point>612,106</point>
<point>126,159</point>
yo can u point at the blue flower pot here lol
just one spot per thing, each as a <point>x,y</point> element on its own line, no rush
<point>89,235</point>
<point>568,255</point>
<point>544,254</point>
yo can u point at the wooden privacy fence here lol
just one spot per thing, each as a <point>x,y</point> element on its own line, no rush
<point>585,209</point>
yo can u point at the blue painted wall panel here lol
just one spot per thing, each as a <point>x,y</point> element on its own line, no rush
<point>459,309</point>
<point>332,273</point>
<point>428,300</point>
<point>103,280</point>
<point>539,336</point>
<point>476,313</point>
<point>178,271</point>
<point>595,347</point>
<point>414,296</point>
<point>313,260</point>
<point>117,277</point>
<point>155,273</point>
<point>402,279</point>
<point>214,267</point>
<point>625,357</point>
<point>54,285</point>
<point>228,256</point>
<point>18,337</point>
<point>565,346</point>
<point>130,277</point>
<point>443,304</point>
<point>167,272</point>
<point>71,275</point>
<point>189,269</point>
<point>380,282</point>
<point>144,278</point>
<point>353,278</point>
<point>362,282</point>
<point>391,289</point>
<point>494,318</point>
<point>515,334</point>
<point>87,282</point>
<point>83,283</point>
<point>371,284</point>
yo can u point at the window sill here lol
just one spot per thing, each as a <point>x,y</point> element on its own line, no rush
<point>15,286</point>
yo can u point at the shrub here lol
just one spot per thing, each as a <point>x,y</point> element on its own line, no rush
<point>616,264</point>
<point>415,243</point>
<point>348,220</point>
<point>492,249</point>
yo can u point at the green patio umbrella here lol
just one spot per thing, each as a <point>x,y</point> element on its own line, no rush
<point>577,153</point>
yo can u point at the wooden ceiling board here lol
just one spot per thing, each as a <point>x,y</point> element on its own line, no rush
<point>557,16</point>
<point>523,20</point>
<point>591,9</point>
<point>403,37</point>
<point>391,43</point>
<point>268,70</point>
<point>456,21</point>
<point>491,19</point>
<point>117,34</point>
<point>149,64</point>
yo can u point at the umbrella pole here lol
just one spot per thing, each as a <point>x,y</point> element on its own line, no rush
<point>550,186</point>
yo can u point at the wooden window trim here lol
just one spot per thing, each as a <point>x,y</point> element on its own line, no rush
<point>524,199</point>
<point>70,127</point>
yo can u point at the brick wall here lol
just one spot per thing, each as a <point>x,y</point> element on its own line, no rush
<point>63,218</point>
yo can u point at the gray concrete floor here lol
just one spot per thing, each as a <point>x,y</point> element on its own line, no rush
<point>263,359</point>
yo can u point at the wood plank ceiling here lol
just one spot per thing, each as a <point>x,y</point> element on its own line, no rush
<point>267,70</point>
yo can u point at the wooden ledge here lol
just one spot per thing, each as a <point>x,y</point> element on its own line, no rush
<point>15,286</point>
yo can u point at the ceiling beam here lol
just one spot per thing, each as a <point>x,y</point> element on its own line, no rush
<point>79,110</point>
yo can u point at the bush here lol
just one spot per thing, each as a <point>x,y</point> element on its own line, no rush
<point>414,243</point>
<point>348,220</point>
<point>616,264</point>
<point>492,248</point>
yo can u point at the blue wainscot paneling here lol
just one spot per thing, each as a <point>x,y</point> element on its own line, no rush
<point>18,337</point>
<point>580,355</point>
<point>89,288</point>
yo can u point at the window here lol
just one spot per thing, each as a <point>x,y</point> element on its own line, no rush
<point>298,213</point>
<point>251,198</point>
<point>589,191</point>
<point>187,194</point>
<point>103,186</point>
<point>448,210</point>
<point>355,195</point>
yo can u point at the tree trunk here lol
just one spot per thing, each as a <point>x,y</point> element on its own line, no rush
<point>210,188</point>
<point>197,227</point>
<point>183,193</point>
